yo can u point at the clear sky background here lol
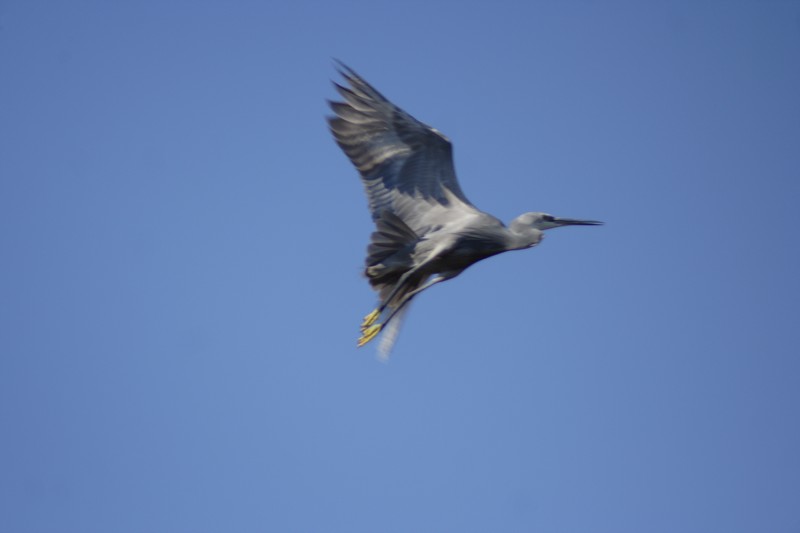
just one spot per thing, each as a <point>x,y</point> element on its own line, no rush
<point>181,244</point>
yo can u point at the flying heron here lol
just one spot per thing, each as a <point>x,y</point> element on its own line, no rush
<point>426,231</point>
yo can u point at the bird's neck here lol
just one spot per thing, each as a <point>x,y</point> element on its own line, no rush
<point>523,235</point>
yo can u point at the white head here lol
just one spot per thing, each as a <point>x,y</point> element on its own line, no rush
<point>529,226</point>
<point>543,221</point>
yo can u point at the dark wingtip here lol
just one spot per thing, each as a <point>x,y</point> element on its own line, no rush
<point>343,69</point>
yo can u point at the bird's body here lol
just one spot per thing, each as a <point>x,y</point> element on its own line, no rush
<point>426,229</point>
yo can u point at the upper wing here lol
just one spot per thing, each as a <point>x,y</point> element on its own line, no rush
<point>405,165</point>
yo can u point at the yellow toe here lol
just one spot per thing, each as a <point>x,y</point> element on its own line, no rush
<point>370,319</point>
<point>369,334</point>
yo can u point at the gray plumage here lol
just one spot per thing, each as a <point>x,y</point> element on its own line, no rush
<point>426,231</point>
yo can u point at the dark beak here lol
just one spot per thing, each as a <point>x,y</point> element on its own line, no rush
<point>575,222</point>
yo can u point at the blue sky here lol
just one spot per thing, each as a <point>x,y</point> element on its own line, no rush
<point>182,243</point>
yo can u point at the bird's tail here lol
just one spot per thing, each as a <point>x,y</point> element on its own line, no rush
<point>391,241</point>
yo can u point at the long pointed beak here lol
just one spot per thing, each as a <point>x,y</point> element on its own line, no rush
<point>575,222</point>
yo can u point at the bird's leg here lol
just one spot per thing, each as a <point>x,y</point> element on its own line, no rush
<point>407,298</point>
<point>370,319</point>
<point>368,327</point>
<point>369,331</point>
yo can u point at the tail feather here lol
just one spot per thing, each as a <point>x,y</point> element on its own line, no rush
<point>391,236</point>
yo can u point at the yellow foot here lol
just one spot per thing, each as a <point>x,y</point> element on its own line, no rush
<point>368,334</point>
<point>370,319</point>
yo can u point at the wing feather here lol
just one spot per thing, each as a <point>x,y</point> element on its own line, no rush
<point>406,166</point>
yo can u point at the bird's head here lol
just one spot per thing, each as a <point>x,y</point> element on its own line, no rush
<point>543,221</point>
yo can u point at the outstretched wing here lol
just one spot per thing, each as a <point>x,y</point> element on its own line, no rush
<point>405,165</point>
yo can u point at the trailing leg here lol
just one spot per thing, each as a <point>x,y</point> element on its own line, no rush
<point>369,331</point>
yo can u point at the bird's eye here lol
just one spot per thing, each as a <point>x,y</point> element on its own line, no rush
<point>548,218</point>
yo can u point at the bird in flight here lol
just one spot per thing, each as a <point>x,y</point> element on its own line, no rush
<point>426,231</point>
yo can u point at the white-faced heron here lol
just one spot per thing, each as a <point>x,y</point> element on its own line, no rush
<point>426,229</point>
